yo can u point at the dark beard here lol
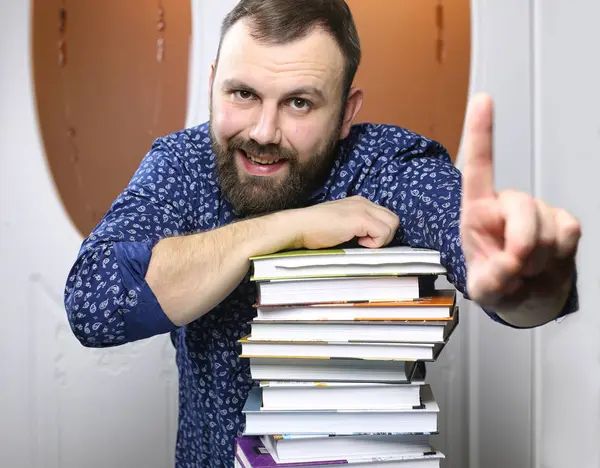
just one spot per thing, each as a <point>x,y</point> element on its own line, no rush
<point>255,195</point>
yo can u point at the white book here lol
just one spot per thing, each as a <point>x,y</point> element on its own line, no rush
<point>357,261</point>
<point>349,422</point>
<point>297,448</point>
<point>336,370</point>
<point>356,330</point>
<point>340,349</point>
<point>438,306</point>
<point>319,290</point>
<point>339,395</point>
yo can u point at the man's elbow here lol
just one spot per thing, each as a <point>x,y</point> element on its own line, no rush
<point>94,328</point>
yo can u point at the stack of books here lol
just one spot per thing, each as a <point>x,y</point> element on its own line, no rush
<point>338,350</point>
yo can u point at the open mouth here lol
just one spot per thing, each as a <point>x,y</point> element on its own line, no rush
<point>261,160</point>
<point>256,165</point>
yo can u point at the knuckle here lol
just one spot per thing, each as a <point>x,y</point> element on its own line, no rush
<point>525,246</point>
<point>543,206</point>
<point>355,202</point>
<point>572,228</point>
<point>515,197</point>
<point>392,227</point>
<point>525,202</point>
<point>567,225</point>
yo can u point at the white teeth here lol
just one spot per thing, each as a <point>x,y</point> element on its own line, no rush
<point>257,160</point>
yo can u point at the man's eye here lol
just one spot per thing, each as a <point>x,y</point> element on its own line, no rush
<point>300,104</point>
<point>243,95</point>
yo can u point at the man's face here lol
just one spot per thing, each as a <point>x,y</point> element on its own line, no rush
<point>276,116</point>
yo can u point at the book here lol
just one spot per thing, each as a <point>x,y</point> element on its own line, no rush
<point>420,419</point>
<point>288,447</point>
<point>435,307</point>
<point>341,349</point>
<point>407,331</point>
<point>347,289</point>
<point>250,452</point>
<point>281,395</point>
<point>356,261</point>
<point>336,370</point>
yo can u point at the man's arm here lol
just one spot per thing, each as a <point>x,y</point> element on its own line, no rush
<point>141,274</point>
<point>192,274</point>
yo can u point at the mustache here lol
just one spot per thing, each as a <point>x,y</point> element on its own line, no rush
<point>251,146</point>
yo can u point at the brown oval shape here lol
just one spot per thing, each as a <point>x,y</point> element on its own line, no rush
<point>104,92</point>
<point>416,65</point>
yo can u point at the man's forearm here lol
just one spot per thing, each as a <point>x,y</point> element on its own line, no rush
<point>190,275</point>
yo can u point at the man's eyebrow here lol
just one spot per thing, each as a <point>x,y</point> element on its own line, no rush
<point>235,84</point>
<point>232,83</point>
<point>307,91</point>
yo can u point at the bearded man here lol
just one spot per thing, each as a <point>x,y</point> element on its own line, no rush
<point>281,165</point>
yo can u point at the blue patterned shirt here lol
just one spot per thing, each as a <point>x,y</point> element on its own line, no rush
<point>175,192</point>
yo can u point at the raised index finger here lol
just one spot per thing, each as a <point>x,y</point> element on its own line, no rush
<point>478,171</point>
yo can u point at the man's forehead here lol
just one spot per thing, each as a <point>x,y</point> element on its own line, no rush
<point>315,58</point>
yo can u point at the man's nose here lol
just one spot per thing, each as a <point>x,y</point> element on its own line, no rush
<point>266,130</point>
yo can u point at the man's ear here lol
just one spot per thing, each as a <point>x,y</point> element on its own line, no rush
<point>351,109</point>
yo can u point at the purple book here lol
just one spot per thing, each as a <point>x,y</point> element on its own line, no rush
<point>251,453</point>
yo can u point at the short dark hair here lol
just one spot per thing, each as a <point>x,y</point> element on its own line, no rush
<point>283,21</point>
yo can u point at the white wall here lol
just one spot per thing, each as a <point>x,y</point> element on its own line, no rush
<point>567,166</point>
<point>509,398</point>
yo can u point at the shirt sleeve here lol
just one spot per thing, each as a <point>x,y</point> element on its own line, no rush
<point>423,187</point>
<point>107,299</point>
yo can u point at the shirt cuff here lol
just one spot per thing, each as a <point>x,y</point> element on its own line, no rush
<point>143,315</point>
